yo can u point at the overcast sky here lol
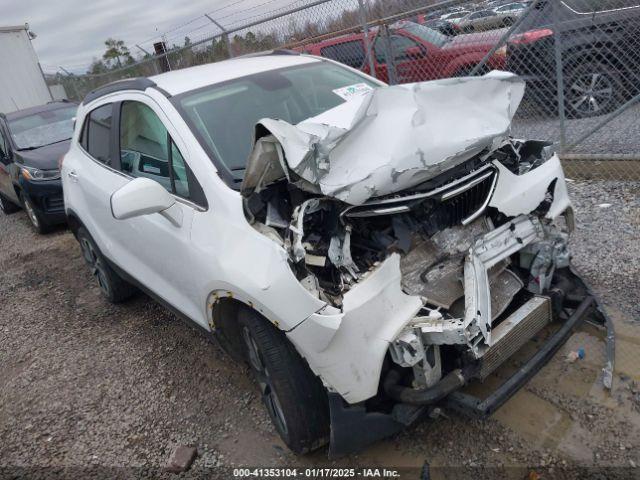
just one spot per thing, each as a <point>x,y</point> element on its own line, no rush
<point>70,33</point>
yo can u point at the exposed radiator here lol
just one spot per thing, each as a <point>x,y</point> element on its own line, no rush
<point>514,332</point>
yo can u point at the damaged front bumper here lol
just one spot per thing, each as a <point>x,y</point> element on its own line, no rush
<point>353,427</point>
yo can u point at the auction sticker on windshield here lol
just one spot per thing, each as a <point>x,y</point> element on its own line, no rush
<point>352,90</point>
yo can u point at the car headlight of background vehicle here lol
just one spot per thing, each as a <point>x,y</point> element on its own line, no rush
<point>31,173</point>
<point>501,52</point>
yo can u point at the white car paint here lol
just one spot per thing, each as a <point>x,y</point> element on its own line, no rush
<point>214,252</point>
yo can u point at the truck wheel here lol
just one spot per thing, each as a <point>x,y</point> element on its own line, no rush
<point>294,397</point>
<point>114,288</point>
<point>34,217</point>
<point>592,88</point>
<point>7,207</point>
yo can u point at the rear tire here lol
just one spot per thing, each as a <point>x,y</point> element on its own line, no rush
<point>114,288</point>
<point>294,397</point>
<point>7,206</point>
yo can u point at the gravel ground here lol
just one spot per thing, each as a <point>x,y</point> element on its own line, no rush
<point>620,136</point>
<point>85,384</point>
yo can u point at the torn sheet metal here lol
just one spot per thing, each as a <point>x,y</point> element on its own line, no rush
<point>397,137</point>
<point>347,349</point>
<point>488,251</point>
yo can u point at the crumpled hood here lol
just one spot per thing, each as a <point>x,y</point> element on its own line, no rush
<point>387,140</point>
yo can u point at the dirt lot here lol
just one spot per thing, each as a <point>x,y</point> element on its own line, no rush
<point>85,384</point>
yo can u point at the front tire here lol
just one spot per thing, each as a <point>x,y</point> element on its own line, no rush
<point>114,288</point>
<point>37,222</point>
<point>7,207</point>
<point>294,397</point>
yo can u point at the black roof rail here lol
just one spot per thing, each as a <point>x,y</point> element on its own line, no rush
<point>138,83</point>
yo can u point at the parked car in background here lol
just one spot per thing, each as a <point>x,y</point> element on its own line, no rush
<point>32,141</point>
<point>367,250</point>
<point>419,52</point>
<point>443,26</point>
<point>512,10</point>
<point>499,3</point>
<point>599,41</point>
<point>454,15</point>
<point>483,20</point>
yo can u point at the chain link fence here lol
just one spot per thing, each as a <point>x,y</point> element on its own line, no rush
<point>579,58</point>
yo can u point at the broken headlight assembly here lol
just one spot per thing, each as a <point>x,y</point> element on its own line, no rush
<point>522,156</point>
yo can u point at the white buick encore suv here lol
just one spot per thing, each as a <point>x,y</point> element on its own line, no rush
<point>368,250</point>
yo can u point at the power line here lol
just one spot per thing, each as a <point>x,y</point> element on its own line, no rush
<point>244,19</point>
<point>193,20</point>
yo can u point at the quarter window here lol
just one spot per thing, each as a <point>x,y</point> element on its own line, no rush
<point>147,150</point>
<point>96,134</point>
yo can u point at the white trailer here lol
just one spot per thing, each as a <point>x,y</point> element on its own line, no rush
<point>22,83</point>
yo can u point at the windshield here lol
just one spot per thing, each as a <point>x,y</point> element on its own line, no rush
<point>43,128</point>
<point>425,33</point>
<point>224,115</point>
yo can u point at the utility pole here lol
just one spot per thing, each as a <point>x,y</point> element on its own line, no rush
<point>367,40</point>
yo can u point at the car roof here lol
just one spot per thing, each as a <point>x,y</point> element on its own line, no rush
<point>37,109</point>
<point>192,78</point>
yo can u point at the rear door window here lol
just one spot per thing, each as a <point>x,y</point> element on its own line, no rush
<point>96,134</point>
<point>349,53</point>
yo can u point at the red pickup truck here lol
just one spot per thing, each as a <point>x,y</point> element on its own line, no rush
<point>420,53</point>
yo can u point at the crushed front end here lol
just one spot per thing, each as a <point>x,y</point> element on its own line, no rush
<point>431,279</point>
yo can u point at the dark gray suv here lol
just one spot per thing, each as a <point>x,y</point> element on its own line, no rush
<point>600,45</point>
<point>32,141</point>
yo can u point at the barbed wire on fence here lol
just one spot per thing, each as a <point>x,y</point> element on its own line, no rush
<point>581,73</point>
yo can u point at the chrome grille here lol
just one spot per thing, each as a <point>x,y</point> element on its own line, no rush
<point>459,201</point>
<point>467,201</point>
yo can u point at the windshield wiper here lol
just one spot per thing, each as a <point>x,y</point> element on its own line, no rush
<point>44,145</point>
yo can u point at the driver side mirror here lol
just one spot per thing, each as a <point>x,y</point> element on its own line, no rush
<point>143,196</point>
